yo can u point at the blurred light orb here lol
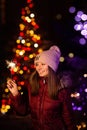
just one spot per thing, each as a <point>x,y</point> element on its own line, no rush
<point>72,9</point>
<point>82,41</point>
<point>58,16</point>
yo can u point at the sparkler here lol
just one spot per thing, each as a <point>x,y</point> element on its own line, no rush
<point>11,65</point>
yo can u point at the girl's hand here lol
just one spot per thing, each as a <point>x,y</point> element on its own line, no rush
<point>12,86</point>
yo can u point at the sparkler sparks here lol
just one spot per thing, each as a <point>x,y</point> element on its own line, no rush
<point>10,64</point>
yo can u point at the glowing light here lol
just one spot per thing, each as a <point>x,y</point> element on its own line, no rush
<point>28,44</point>
<point>78,27</point>
<point>17,41</point>
<point>72,9</point>
<point>83,124</point>
<point>26,58</point>
<point>76,95</point>
<point>21,52</point>
<point>31,32</point>
<point>6,90</point>
<point>28,19</point>
<point>79,14</point>
<point>16,69</point>
<point>10,64</point>
<point>40,50</point>
<point>19,87</point>
<point>84,32</point>
<point>79,108</point>
<point>22,26</point>
<point>21,72</point>
<point>78,19</point>
<point>8,107</point>
<point>71,55</point>
<point>85,75</point>
<point>36,45</point>
<point>84,17</point>
<point>23,41</point>
<point>32,15</point>
<point>17,51</point>
<point>22,83</point>
<point>31,56</point>
<point>61,59</point>
<point>82,41</point>
<point>85,90</point>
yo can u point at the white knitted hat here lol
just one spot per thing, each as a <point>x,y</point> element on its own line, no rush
<point>50,57</point>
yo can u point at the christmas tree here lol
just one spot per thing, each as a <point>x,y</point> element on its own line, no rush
<point>28,44</point>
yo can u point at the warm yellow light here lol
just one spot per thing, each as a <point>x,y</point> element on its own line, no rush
<point>21,93</point>
<point>61,59</point>
<point>18,41</point>
<point>71,55</point>
<point>22,26</point>
<point>83,124</point>
<point>31,32</point>
<point>21,52</point>
<point>79,127</point>
<point>31,56</point>
<point>8,107</point>
<point>3,111</point>
<point>21,71</point>
<point>38,37</point>
<point>6,90</point>
<point>19,87</point>
<point>28,44</point>
<point>16,69</point>
<point>35,36</point>
<point>40,50</point>
<point>27,32</point>
<point>28,19</point>
<point>17,51</point>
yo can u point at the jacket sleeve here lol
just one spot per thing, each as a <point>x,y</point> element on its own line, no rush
<point>20,104</point>
<point>67,111</point>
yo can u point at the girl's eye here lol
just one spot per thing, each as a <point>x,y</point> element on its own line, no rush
<point>36,64</point>
<point>43,64</point>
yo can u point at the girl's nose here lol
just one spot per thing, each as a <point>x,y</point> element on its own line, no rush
<point>40,66</point>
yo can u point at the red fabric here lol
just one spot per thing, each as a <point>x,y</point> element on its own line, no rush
<point>46,113</point>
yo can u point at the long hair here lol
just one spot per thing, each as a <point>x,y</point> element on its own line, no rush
<point>53,83</point>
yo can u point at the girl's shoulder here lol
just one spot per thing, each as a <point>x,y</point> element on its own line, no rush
<point>65,80</point>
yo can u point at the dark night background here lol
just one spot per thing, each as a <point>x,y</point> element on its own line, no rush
<point>59,31</point>
<point>46,11</point>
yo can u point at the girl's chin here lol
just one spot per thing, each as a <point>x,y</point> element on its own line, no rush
<point>41,75</point>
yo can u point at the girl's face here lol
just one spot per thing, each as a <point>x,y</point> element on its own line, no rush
<point>41,68</point>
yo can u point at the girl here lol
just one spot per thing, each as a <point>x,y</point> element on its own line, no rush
<point>49,101</point>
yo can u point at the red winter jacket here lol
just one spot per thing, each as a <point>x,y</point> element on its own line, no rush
<point>46,113</point>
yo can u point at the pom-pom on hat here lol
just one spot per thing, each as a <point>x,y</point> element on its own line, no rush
<point>50,57</point>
